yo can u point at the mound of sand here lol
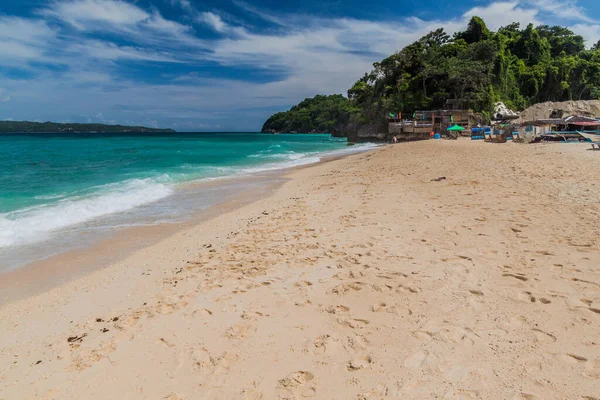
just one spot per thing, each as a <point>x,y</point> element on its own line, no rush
<point>588,108</point>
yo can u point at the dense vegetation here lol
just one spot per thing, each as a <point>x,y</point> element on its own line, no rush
<point>316,115</point>
<point>52,127</point>
<point>519,67</point>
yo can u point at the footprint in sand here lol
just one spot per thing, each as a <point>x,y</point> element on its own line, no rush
<point>347,287</point>
<point>530,297</point>
<point>240,331</point>
<point>339,309</point>
<point>326,344</point>
<point>82,359</point>
<point>543,336</point>
<point>211,365</point>
<point>169,304</point>
<point>592,368</point>
<point>379,307</point>
<point>408,289</point>
<point>572,358</point>
<point>199,313</point>
<point>252,315</point>
<point>520,277</point>
<point>528,396</point>
<point>359,363</point>
<point>301,384</point>
<point>354,323</point>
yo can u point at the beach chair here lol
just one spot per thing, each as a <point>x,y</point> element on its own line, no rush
<point>595,146</point>
<point>516,138</point>
<point>498,138</point>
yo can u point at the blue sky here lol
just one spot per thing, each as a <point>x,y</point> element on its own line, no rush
<point>219,65</point>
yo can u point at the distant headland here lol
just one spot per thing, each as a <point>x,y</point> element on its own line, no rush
<point>53,127</point>
<point>472,70</point>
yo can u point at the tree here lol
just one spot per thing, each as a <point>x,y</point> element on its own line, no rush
<point>561,40</point>
<point>476,31</point>
<point>532,47</point>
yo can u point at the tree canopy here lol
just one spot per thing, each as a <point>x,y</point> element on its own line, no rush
<point>515,65</point>
<point>316,115</point>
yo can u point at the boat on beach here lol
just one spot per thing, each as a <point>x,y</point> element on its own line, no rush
<point>590,137</point>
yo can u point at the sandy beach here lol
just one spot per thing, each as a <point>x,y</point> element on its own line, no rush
<point>434,269</point>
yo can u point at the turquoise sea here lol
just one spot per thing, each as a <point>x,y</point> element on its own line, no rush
<point>56,185</point>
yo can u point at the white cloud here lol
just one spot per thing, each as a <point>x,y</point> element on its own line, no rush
<point>23,39</point>
<point>212,20</point>
<point>96,49</point>
<point>310,54</point>
<point>591,33</point>
<point>266,16</point>
<point>568,10</point>
<point>80,13</point>
<point>121,19</point>
<point>157,23</point>
<point>499,14</point>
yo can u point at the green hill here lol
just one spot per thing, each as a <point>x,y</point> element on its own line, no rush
<point>317,115</point>
<point>519,67</point>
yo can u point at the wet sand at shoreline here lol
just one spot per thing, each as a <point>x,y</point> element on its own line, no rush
<point>366,277</point>
<point>39,276</point>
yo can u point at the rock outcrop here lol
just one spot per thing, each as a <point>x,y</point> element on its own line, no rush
<point>360,132</point>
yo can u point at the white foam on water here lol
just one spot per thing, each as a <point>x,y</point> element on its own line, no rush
<point>294,159</point>
<point>39,223</point>
<point>50,196</point>
<point>35,224</point>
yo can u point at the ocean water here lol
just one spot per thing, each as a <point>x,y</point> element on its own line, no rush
<point>53,187</point>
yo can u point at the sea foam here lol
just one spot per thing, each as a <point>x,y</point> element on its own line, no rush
<point>39,223</point>
<point>35,224</point>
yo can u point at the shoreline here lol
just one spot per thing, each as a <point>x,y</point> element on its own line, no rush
<point>38,276</point>
<point>363,277</point>
<point>42,275</point>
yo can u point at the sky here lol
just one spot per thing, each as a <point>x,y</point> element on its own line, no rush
<point>220,65</point>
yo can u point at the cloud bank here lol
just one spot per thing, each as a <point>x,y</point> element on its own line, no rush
<point>188,68</point>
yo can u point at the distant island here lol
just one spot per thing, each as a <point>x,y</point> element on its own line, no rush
<point>514,65</point>
<point>52,127</point>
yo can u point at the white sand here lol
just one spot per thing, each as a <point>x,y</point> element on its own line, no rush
<point>358,279</point>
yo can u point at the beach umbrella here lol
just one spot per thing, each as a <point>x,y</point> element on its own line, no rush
<point>456,128</point>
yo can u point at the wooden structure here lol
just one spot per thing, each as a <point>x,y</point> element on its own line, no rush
<point>410,130</point>
<point>426,122</point>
